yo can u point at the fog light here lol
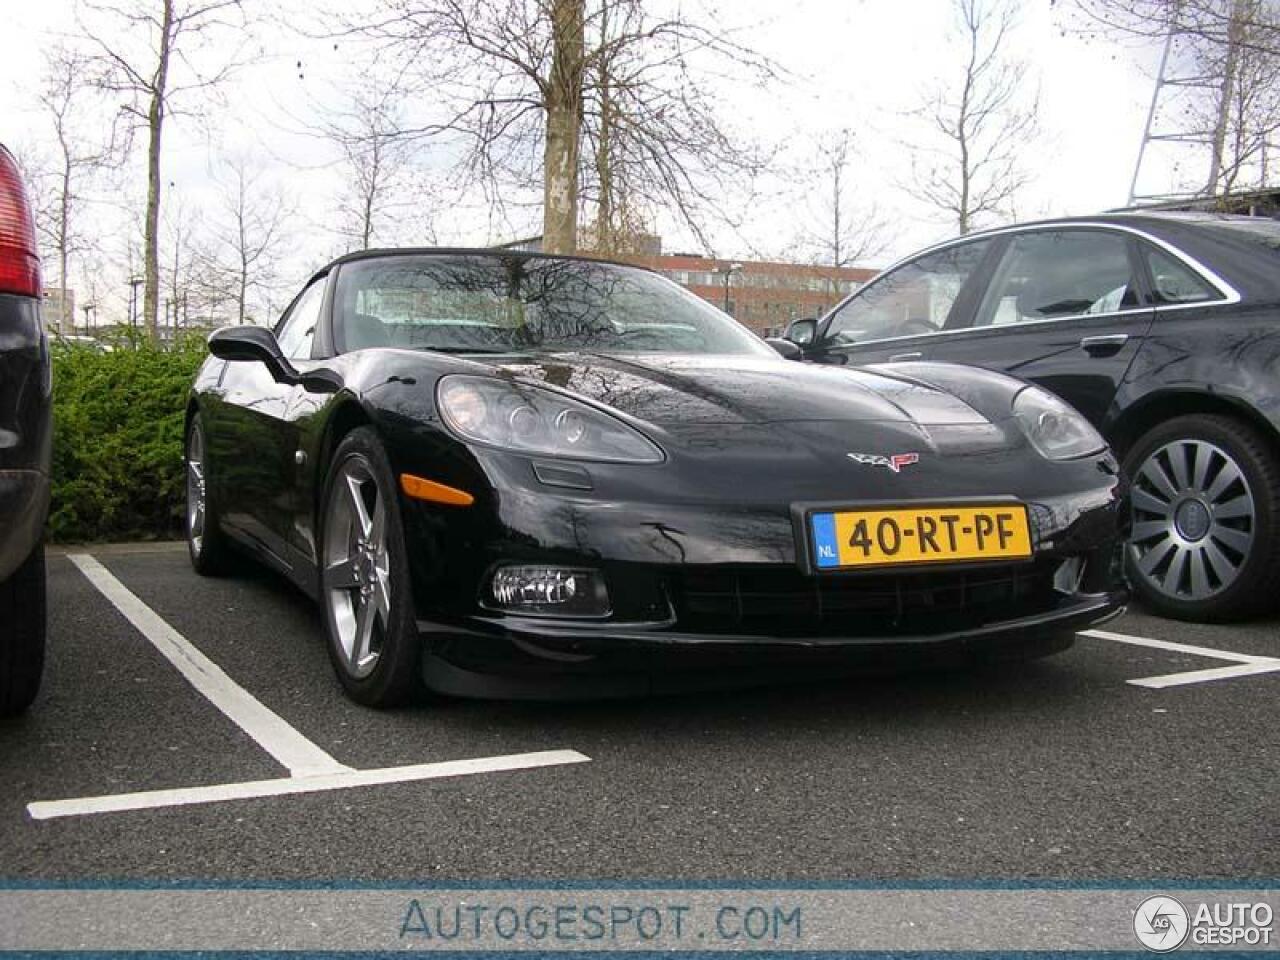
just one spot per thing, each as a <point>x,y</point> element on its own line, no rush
<point>555,591</point>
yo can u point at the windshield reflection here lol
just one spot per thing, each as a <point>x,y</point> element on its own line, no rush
<point>518,303</point>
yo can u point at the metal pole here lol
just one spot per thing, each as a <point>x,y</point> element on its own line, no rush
<point>1151,113</point>
<point>134,283</point>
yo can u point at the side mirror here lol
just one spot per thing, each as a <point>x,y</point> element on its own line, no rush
<point>258,344</point>
<point>801,332</point>
<point>254,344</point>
<point>785,348</point>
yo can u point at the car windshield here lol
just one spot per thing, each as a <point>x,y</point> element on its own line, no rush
<point>518,303</point>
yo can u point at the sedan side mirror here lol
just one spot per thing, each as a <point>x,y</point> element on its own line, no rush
<point>239,344</point>
<point>785,348</point>
<point>801,332</point>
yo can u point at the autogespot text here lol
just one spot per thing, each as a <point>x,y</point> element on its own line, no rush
<point>426,920</point>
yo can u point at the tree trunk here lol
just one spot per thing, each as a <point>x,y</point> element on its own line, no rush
<point>243,246</point>
<point>605,233</point>
<point>1234,30</point>
<point>564,127</point>
<point>366,221</point>
<point>64,224</point>
<point>173,277</point>
<point>155,127</point>
<point>974,25</point>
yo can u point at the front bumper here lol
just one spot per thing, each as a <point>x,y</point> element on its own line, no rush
<point>719,628</point>
<point>536,661</point>
<point>720,587</point>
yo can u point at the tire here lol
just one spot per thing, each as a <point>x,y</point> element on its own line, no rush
<point>207,545</point>
<point>1205,494</point>
<point>370,625</point>
<point>22,634</point>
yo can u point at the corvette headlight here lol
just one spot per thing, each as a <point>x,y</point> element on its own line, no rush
<point>528,419</point>
<point>1056,430</point>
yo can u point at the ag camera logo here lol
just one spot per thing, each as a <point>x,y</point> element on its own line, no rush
<point>1161,923</point>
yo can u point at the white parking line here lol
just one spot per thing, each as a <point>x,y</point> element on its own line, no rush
<point>1212,652</point>
<point>1203,676</point>
<point>269,730</point>
<point>1244,664</point>
<point>310,768</point>
<point>250,789</point>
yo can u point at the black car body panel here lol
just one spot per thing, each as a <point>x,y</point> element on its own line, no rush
<point>25,430</point>
<point>1225,349</point>
<point>701,550</point>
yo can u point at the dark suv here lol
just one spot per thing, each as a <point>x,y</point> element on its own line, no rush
<point>24,448</point>
<point>1163,329</point>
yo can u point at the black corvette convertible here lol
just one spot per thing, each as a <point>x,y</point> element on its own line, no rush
<point>504,474</point>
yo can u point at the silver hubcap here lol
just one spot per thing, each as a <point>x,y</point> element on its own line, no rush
<point>1193,520</point>
<point>195,488</point>
<point>357,569</point>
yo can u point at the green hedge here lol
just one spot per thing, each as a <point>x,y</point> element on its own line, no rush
<point>117,440</point>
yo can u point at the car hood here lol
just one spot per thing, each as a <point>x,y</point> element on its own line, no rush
<point>673,391</point>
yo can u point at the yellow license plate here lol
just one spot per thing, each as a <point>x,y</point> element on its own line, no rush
<point>906,535</point>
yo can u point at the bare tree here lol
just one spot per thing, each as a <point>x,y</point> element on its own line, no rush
<point>523,84</point>
<point>153,62</point>
<point>186,267</point>
<point>251,237</point>
<point>656,131</point>
<point>1215,23</point>
<point>1224,56</point>
<point>83,151</point>
<point>846,232</point>
<point>983,120</point>
<point>1247,109</point>
<point>383,195</point>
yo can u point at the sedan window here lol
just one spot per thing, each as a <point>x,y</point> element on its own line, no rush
<point>1051,275</point>
<point>917,297</point>
<point>1173,281</point>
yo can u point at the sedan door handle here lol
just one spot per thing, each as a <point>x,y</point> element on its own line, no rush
<point>898,357</point>
<point>1104,345</point>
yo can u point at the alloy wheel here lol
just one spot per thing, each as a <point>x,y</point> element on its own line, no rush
<point>357,566</point>
<point>1194,520</point>
<point>196,492</point>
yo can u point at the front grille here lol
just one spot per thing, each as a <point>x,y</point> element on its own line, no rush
<point>781,601</point>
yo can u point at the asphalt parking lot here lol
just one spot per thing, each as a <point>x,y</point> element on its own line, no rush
<point>1062,769</point>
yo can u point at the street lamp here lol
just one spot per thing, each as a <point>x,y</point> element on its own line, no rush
<point>727,272</point>
<point>134,283</point>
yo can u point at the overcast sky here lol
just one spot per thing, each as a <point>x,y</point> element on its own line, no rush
<point>863,64</point>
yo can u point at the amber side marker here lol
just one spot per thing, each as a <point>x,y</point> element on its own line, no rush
<point>423,489</point>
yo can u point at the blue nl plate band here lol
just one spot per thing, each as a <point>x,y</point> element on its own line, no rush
<point>826,552</point>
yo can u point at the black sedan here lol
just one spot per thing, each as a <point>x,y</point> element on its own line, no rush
<point>1163,329</point>
<point>504,474</point>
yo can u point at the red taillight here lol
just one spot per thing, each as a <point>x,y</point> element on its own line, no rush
<point>19,262</point>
